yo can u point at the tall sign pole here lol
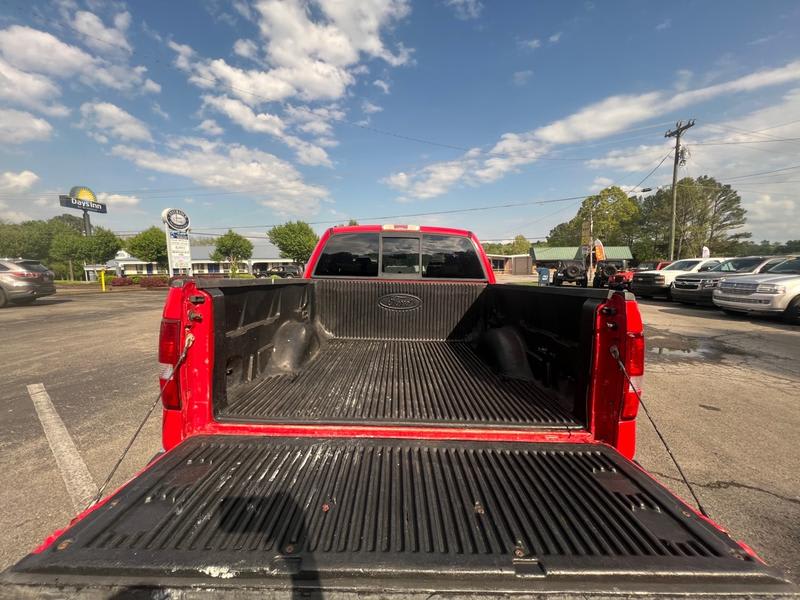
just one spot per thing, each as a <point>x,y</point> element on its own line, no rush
<point>680,127</point>
<point>179,251</point>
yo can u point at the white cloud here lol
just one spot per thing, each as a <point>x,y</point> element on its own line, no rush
<point>244,116</point>
<point>772,218</point>
<point>315,121</point>
<point>18,127</point>
<point>40,52</point>
<point>11,182</point>
<point>100,38</point>
<point>117,200</point>
<point>521,77</point>
<point>151,87</point>
<point>310,58</point>
<point>556,37</point>
<point>600,183</point>
<point>466,9</point>
<point>210,127</point>
<point>682,79</point>
<point>156,108</point>
<point>103,118</point>
<point>30,90</point>
<point>235,168</point>
<point>370,108</point>
<point>382,85</point>
<point>598,120</point>
<point>665,24</point>
<point>245,48</point>
<point>531,44</point>
<point>17,182</point>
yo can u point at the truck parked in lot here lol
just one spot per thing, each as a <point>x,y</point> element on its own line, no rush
<point>394,425</point>
<point>698,288</point>
<point>647,284</point>
<point>621,279</point>
<point>776,292</point>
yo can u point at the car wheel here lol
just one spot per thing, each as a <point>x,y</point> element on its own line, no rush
<point>2,299</point>
<point>792,313</point>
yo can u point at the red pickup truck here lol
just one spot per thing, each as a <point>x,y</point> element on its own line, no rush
<point>394,424</point>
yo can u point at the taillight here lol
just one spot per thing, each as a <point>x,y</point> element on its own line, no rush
<point>169,341</point>
<point>634,365</point>
<point>24,274</point>
<point>169,344</point>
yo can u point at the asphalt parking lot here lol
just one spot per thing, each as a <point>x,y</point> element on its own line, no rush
<point>723,391</point>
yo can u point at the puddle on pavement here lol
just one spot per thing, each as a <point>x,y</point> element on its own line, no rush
<point>679,352</point>
<point>663,344</point>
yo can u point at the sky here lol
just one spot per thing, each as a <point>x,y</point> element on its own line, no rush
<point>498,117</point>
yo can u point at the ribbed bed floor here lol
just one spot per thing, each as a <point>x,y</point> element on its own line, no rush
<point>442,383</point>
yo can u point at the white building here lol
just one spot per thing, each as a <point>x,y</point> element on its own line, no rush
<point>265,255</point>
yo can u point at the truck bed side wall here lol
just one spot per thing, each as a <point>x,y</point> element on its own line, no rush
<point>261,329</point>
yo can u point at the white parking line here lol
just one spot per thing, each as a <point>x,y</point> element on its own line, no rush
<point>80,485</point>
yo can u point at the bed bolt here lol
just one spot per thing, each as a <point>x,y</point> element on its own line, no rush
<point>479,508</point>
<point>519,552</point>
<point>612,326</point>
<point>608,310</point>
<point>289,549</point>
<point>326,507</point>
<point>197,299</point>
<point>64,545</point>
<point>195,316</point>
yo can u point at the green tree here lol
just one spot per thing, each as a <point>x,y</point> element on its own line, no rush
<point>520,245</point>
<point>150,246</point>
<point>615,217</point>
<point>100,247</point>
<point>66,247</point>
<point>232,248</point>
<point>294,239</point>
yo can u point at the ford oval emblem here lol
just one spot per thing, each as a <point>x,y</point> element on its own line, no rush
<point>400,302</point>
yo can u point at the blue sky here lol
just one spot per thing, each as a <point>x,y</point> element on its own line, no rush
<point>251,112</point>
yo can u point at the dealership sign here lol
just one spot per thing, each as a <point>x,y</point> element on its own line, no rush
<point>179,251</point>
<point>82,198</point>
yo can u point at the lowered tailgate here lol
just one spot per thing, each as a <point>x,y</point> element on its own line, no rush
<point>247,514</point>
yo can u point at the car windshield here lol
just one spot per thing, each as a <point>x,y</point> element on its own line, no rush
<point>682,265</point>
<point>787,267</point>
<point>738,265</point>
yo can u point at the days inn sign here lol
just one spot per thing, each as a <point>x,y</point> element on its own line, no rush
<point>82,198</point>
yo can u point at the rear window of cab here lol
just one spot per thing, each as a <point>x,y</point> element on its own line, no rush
<point>399,256</point>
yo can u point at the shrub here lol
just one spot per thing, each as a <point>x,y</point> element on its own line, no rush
<point>122,281</point>
<point>154,282</point>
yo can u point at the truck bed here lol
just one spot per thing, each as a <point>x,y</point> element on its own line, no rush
<point>399,382</point>
<point>257,513</point>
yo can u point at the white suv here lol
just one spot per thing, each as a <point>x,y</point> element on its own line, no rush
<point>647,284</point>
<point>775,292</point>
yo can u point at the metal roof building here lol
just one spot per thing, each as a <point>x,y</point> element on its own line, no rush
<point>556,253</point>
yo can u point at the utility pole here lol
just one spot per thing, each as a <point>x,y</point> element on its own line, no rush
<point>680,127</point>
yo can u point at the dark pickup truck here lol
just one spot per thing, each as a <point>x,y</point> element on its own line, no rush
<point>394,425</point>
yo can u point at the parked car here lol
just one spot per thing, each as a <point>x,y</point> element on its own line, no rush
<point>698,288</point>
<point>282,271</point>
<point>647,284</point>
<point>570,271</point>
<point>359,434</point>
<point>621,280</point>
<point>22,281</point>
<point>605,270</point>
<point>775,292</point>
